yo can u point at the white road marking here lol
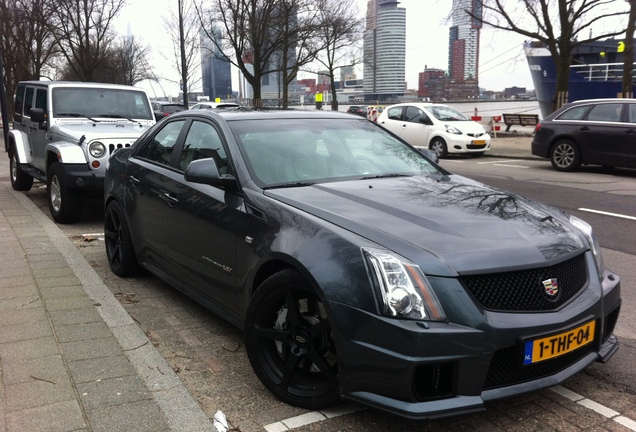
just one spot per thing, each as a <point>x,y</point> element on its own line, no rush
<point>608,213</point>
<point>499,161</point>
<point>596,407</point>
<point>317,416</point>
<point>512,166</point>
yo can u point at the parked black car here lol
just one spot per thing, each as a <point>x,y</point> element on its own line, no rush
<point>358,268</point>
<point>164,109</point>
<point>594,131</point>
<point>360,110</point>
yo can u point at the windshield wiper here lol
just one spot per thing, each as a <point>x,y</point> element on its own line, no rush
<point>289,185</point>
<point>115,116</point>
<point>76,115</point>
<point>384,176</point>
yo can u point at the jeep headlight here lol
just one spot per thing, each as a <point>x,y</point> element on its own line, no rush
<point>404,290</point>
<point>587,230</point>
<point>97,149</point>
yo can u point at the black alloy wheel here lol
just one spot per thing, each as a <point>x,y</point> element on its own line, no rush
<point>290,343</point>
<point>119,247</point>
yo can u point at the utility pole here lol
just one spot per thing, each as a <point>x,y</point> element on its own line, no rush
<point>184,76</point>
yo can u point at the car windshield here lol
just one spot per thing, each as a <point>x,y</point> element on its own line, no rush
<point>446,113</point>
<point>100,102</point>
<point>296,152</point>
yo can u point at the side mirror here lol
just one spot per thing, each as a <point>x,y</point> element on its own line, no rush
<point>430,154</point>
<point>38,116</point>
<point>205,171</point>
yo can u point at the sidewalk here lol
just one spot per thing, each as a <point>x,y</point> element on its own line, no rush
<point>514,144</point>
<point>71,358</point>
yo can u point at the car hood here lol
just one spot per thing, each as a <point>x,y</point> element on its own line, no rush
<point>467,226</point>
<point>464,126</point>
<point>102,130</point>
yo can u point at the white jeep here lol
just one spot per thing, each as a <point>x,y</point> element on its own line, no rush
<point>63,134</point>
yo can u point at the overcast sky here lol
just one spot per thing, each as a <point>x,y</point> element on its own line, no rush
<point>502,62</point>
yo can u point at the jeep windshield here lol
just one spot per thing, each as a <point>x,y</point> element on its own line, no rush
<point>100,102</point>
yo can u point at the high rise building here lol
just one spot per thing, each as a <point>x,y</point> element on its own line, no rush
<point>215,67</point>
<point>463,41</point>
<point>384,50</point>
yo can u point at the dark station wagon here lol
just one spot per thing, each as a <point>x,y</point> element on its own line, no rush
<point>594,131</point>
<point>358,268</point>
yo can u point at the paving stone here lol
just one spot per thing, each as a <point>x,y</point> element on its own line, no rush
<point>143,416</point>
<point>59,281</point>
<point>62,292</point>
<point>100,368</point>
<point>20,303</point>
<point>89,349</point>
<point>112,392</point>
<point>58,417</point>
<point>34,348</point>
<point>46,368</point>
<point>67,303</point>
<point>17,332</point>
<point>22,316</point>
<point>8,292</point>
<point>75,316</point>
<point>84,331</point>
<point>37,392</point>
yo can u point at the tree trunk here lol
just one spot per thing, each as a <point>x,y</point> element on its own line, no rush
<point>628,56</point>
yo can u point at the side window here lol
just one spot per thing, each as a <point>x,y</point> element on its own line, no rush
<point>414,115</point>
<point>159,149</point>
<point>606,112</point>
<point>40,99</point>
<point>28,101</point>
<point>632,113</point>
<point>18,104</point>
<point>576,113</point>
<point>395,113</point>
<point>203,141</point>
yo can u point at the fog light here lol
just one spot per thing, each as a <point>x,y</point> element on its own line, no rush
<point>79,181</point>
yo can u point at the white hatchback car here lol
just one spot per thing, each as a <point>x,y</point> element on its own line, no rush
<point>437,127</point>
<point>214,105</point>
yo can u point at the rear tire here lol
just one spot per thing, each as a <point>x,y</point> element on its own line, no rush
<point>65,204</point>
<point>20,180</point>
<point>565,156</point>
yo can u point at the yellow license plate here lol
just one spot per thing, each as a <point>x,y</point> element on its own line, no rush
<point>553,346</point>
<point>479,142</point>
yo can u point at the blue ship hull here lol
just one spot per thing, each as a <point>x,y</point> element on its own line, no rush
<point>596,72</point>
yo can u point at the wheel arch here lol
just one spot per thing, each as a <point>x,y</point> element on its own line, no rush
<point>19,142</point>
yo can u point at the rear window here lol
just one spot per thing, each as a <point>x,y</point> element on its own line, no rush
<point>576,113</point>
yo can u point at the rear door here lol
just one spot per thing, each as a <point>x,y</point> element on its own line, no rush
<point>415,130</point>
<point>604,134</point>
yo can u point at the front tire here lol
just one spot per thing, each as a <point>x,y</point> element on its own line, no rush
<point>119,247</point>
<point>565,156</point>
<point>20,180</point>
<point>438,145</point>
<point>290,343</point>
<point>65,204</point>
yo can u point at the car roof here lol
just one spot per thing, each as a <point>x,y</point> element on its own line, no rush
<point>602,100</point>
<point>78,84</point>
<point>247,114</point>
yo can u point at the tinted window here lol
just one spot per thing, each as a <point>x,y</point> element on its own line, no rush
<point>414,114</point>
<point>28,101</point>
<point>160,147</point>
<point>606,112</point>
<point>202,142</point>
<point>576,113</point>
<point>632,113</point>
<point>19,104</point>
<point>40,99</point>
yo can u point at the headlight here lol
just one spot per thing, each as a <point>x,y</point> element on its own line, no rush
<point>453,130</point>
<point>97,149</point>
<point>586,228</point>
<point>403,287</point>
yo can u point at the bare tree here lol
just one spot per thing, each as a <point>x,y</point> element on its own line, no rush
<point>628,65</point>
<point>250,37</point>
<point>561,25</point>
<point>82,30</point>
<point>26,43</point>
<point>184,29</point>
<point>299,45</point>
<point>340,29</point>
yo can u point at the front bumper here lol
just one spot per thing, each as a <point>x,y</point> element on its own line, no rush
<point>79,176</point>
<point>466,144</point>
<point>429,370</point>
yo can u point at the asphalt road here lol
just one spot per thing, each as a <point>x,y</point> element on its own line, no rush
<point>209,356</point>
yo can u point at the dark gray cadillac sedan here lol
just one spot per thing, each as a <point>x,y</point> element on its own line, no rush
<point>357,268</point>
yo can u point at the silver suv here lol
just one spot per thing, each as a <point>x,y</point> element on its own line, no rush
<point>63,134</point>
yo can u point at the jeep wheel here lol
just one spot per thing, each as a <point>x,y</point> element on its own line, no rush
<point>65,203</point>
<point>20,180</point>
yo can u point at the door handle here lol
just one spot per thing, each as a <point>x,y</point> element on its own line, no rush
<point>584,128</point>
<point>169,198</point>
<point>134,180</point>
